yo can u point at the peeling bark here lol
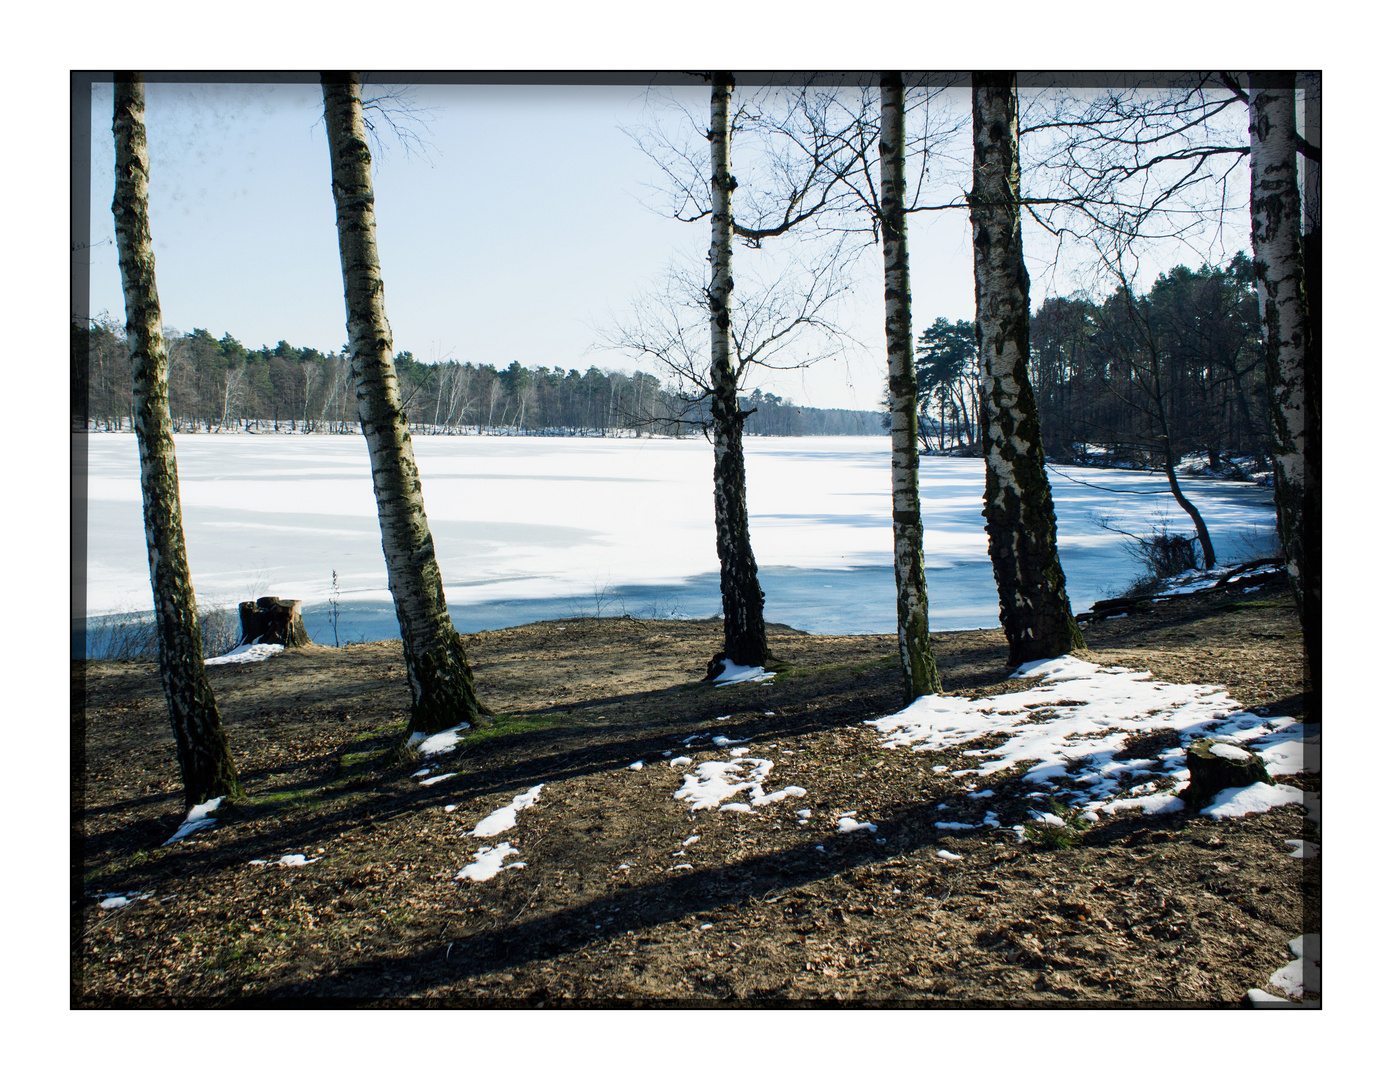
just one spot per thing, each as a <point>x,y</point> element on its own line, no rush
<point>205,761</point>
<point>442,685</point>
<point>746,640</point>
<point>915,650</point>
<point>1292,353</point>
<point>1019,510</point>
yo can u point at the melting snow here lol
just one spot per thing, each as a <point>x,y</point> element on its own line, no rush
<point>438,743</point>
<point>437,779</point>
<point>848,824</point>
<point>736,673</point>
<point>489,862</point>
<point>715,781</point>
<point>1076,722</point>
<point>504,818</point>
<point>245,654</point>
<point>197,819</point>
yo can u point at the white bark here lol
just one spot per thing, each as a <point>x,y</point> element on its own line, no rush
<point>915,653</point>
<point>1277,256</point>
<point>442,693</point>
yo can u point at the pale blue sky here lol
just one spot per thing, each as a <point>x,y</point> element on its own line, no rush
<point>523,232</point>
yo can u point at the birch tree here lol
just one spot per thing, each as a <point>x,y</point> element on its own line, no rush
<point>915,651</point>
<point>1019,511</point>
<point>205,761</point>
<point>442,685</point>
<point>1290,351</point>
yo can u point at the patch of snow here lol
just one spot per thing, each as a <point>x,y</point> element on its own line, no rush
<point>981,794</point>
<point>849,824</point>
<point>736,673</point>
<point>294,860</point>
<point>678,762</point>
<point>504,818</point>
<point>1164,803</point>
<point>489,862</point>
<point>715,781</point>
<point>439,743</point>
<point>1303,849</point>
<point>197,819</point>
<point>119,900</point>
<point>952,825</point>
<point>792,791</point>
<point>1080,716</point>
<point>1236,802</point>
<point>1302,976</point>
<point>450,808</point>
<point>947,856</point>
<point>682,866</point>
<point>637,766</point>
<point>437,779</point>
<point>804,814</point>
<point>245,654</point>
<point>691,839</point>
<point>424,772</point>
<point>1229,752</point>
<point>739,751</point>
<point>737,807</point>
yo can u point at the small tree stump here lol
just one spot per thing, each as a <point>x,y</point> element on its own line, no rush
<point>1215,765</point>
<point>269,620</point>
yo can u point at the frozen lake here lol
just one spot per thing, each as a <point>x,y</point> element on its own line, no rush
<point>540,528</point>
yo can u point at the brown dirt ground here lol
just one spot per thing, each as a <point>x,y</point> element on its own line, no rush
<point>1170,910</point>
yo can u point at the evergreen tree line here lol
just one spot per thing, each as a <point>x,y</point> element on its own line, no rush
<point>1117,380</point>
<point>219,385</point>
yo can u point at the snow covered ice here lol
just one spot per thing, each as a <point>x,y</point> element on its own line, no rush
<point>525,527</point>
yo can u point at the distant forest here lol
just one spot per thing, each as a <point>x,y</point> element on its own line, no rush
<point>1116,381</point>
<point>1124,380</point>
<point>216,384</point>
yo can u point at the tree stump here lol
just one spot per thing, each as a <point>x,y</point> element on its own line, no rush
<point>1215,765</point>
<point>269,620</point>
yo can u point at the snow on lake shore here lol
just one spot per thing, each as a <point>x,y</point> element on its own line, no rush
<point>542,528</point>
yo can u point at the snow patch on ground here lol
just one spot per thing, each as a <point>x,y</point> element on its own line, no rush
<point>1303,849</point>
<point>1235,802</point>
<point>848,824</point>
<point>439,743</point>
<point>120,900</point>
<point>285,860</point>
<point>737,673</point>
<point>437,779</point>
<point>198,818</point>
<point>488,863</point>
<point>245,654</point>
<point>1297,981</point>
<point>713,782</point>
<point>1079,718</point>
<point>505,817</point>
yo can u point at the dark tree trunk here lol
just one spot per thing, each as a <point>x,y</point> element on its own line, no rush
<point>1020,525</point>
<point>205,761</point>
<point>746,641</point>
<point>442,686</point>
<point>269,620</point>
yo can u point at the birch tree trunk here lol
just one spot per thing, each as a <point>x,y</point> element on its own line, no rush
<point>442,686</point>
<point>1290,350</point>
<point>205,761</point>
<point>1020,526</point>
<point>746,641</point>
<point>915,651</point>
